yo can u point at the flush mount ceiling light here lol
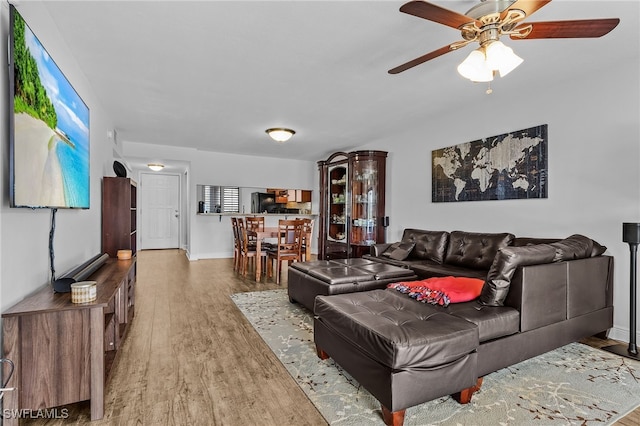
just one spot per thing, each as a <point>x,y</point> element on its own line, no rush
<point>280,134</point>
<point>156,167</point>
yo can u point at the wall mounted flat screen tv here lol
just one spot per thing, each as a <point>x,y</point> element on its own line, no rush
<point>48,128</point>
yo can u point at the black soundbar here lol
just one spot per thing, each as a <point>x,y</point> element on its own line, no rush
<point>79,273</point>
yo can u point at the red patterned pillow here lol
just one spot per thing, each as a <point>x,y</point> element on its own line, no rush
<point>441,290</point>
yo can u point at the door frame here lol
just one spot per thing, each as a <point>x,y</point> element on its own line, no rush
<point>141,207</point>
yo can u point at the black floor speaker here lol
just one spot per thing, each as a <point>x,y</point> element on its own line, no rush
<point>631,233</point>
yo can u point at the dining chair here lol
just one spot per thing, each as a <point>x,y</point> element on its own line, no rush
<point>241,227</point>
<point>237,245</point>
<point>305,241</point>
<point>248,251</point>
<point>255,223</point>
<point>287,248</point>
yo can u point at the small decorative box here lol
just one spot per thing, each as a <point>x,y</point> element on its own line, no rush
<point>83,292</point>
<point>123,254</point>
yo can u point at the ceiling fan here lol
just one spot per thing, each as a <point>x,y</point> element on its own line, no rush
<point>486,22</point>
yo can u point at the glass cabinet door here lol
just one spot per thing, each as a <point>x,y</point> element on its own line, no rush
<point>338,196</point>
<point>364,193</point>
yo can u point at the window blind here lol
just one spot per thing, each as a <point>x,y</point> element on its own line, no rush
<point>221,199</point>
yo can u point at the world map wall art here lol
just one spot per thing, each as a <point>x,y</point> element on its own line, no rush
<point>505,167</point>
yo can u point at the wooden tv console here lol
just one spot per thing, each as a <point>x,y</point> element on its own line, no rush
<point>63,352</point>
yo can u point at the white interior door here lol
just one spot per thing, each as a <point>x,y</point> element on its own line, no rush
<point>159,211</point>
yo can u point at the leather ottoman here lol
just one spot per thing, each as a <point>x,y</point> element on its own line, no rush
<point>402,351</point>
<point>326,277</point>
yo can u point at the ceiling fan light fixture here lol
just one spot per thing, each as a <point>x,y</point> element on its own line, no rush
<point>475,68</point>
<point>501,58</point>
<point>280,134</point>
<point>481,64</point>
<point>156,167</point>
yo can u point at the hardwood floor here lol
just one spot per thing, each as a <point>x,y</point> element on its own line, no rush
<point>191,358</point>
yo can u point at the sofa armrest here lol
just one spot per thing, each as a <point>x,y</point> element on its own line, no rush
<point>539,292</point>
<point>377,249</point>
<point>552,292</point>
<point>590,285</point>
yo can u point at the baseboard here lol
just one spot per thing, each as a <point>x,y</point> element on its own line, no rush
<point>621,334</point>
<point>190,256</point>
<point>213,255</point>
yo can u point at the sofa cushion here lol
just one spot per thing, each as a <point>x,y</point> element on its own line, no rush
<point>428,269</point>
<point>574,247</point>
<point>496,287</point>
<point>529,241</point>
<point>430,245</point>
<point>399,250</point>
<point>387,260</point>
<point>441,290</point>
<point>376,250</point>
<point>475,250</point>
<point>598,249</point>
<point>493,321</point>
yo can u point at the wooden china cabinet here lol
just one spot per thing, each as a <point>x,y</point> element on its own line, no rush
<point>352,206</point>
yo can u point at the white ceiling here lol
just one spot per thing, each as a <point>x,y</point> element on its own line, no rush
<point>213,75</point>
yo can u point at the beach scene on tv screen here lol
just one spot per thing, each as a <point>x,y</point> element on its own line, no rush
<point>51,129</point>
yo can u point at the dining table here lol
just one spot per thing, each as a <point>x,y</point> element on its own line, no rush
<point>260,235</point>
<point>269,232</point>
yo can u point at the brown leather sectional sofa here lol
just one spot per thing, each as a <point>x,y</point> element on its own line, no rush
<point>538,295</point>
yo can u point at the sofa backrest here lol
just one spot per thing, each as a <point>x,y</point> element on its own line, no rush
<point>475,250</point>
<point>431,245</point>
<point>528,241</point>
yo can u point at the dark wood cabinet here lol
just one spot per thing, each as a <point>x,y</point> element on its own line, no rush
<point>352,203</point>
<point>119,230</point>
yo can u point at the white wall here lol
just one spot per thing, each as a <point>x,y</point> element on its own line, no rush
<point>24,233</point>
<point>593,157</point>
<point>210,237</point>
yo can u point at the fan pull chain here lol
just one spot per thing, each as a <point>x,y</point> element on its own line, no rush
<point>489,89</point>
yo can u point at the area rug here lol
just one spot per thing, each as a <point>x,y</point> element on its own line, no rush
<point>572,385</point>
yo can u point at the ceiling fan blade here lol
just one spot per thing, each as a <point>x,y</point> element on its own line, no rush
<point>529,7</point>
<point>569,29</point>
<point>435,13</point>
<point>421,59</point>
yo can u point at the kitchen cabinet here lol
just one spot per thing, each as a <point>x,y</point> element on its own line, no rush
<point>303,195</point>
<point>352,203</point>
<point>299,195</point>
<point>281,195</point>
